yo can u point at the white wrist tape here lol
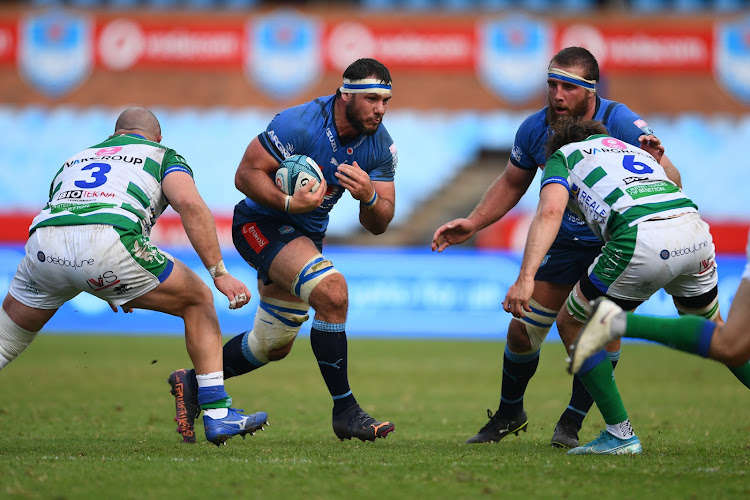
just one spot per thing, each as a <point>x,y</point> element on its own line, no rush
<point>217,270</point>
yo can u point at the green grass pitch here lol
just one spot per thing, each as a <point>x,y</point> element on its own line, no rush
<point>91,417</point>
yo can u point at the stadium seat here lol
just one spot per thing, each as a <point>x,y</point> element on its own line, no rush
<point>380,4</point>
<point>688,6</point>
<point>86,3</point>
<point>125,4</point>
<point>162,4</point>
<point>578,5</point>
<point>729,5</point>
<point>648,5</point>
<point>240,4</point>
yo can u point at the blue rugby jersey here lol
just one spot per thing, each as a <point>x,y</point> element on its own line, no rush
<point>309,129</point>
<point>528,149</point>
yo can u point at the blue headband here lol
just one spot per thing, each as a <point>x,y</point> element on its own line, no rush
<point>365,86</point>
<point>565,76</point>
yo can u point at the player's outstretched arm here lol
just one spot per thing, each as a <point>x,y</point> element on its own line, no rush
<point>200,228</point>
<point>553,200</point>
<point>497,201</point>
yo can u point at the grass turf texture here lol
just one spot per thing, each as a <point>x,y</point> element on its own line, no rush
<point>90,417</point>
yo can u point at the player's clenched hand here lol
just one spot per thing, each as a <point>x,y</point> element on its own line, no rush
<point>652,145</point>
<point>304,200</point>
<point>454,232</point>
<point>355,180</point>
<point>234,289</point>
<point>517,299</point>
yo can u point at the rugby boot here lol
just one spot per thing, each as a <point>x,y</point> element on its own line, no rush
<point>498,427</point>
<point>566,434</point>
<point>220,429</point>
<point>607,444</point>
<point>355,422</point>
<point>185,392</point>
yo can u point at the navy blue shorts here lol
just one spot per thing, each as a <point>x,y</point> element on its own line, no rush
<point>259,238</point>
<point>568,260</point>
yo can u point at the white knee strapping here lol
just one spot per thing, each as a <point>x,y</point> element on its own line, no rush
<point>577,307</point>
<point>276,324</point>
<point>13,339</point>
<point>311,274</point>
<point>538,323</point>
<point>711,311</point>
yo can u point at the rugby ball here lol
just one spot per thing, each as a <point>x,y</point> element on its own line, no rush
<point>296,172</point>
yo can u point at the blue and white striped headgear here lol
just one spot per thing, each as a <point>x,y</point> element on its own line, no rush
<point>365,86</point>
<point>566,76</point>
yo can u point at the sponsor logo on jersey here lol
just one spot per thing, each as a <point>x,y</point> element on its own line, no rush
<point>55,52</point>
<point>283,53</point>
<point>513,57</point>
<point>109,151</point>
<point>732,57</point>
<point>254,237</point>
<point>331,139</point>
<point>611,142</point>
<point>83,194</point>
<point>286,151</point>
<point>103,281</point>
<point>706,266</point>
<point>32,287</point>
<point>286,229</point>
<point>645,127</point>
<point>64,261</point>
<point>686,250</point>
<point>664,254</point>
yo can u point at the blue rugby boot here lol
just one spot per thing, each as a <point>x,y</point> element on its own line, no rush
<point>220,429</point>
<point>607,444</point>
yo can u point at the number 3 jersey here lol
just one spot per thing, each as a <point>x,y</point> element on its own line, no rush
<point>116,182</point>
<point>614,185</point>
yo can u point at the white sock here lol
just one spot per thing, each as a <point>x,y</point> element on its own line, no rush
<point>212,380</point>
<point>623,430</point>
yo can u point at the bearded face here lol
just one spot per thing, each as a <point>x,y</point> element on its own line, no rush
<point>568,99</point>
<point>365,112</point>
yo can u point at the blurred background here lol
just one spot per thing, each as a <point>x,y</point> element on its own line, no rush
<point>465,73</point>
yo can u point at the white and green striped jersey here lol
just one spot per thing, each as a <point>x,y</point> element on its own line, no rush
<point>116,182</point>
<point>614,185</point>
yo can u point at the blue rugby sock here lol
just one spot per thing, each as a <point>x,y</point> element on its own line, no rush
<point>328,342</point>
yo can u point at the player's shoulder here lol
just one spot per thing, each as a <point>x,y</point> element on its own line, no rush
<point>318,108</point>
<point>613,111</point>
<point>535,123</point>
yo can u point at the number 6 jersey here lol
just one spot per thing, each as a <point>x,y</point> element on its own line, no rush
<point>614,185</point>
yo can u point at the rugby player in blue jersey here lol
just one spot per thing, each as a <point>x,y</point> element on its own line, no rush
<point>571,90</point>
<point>281,236</point>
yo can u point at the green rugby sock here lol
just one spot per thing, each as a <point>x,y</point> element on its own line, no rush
<point>687,333</point>
<point>600,382</point>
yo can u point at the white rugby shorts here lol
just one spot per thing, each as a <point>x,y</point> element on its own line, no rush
<point>63,261</point>
<point>676,254</point>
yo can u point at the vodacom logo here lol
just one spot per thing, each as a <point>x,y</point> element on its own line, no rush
<point>121,44</point>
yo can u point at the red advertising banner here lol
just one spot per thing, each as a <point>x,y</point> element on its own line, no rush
<point>652,48</point>
<point>406,46</point>
<point>8,42</point>
<point>126,43</point>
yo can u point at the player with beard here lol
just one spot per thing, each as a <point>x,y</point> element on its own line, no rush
<point>571,92</point>
<point>281,236</point>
